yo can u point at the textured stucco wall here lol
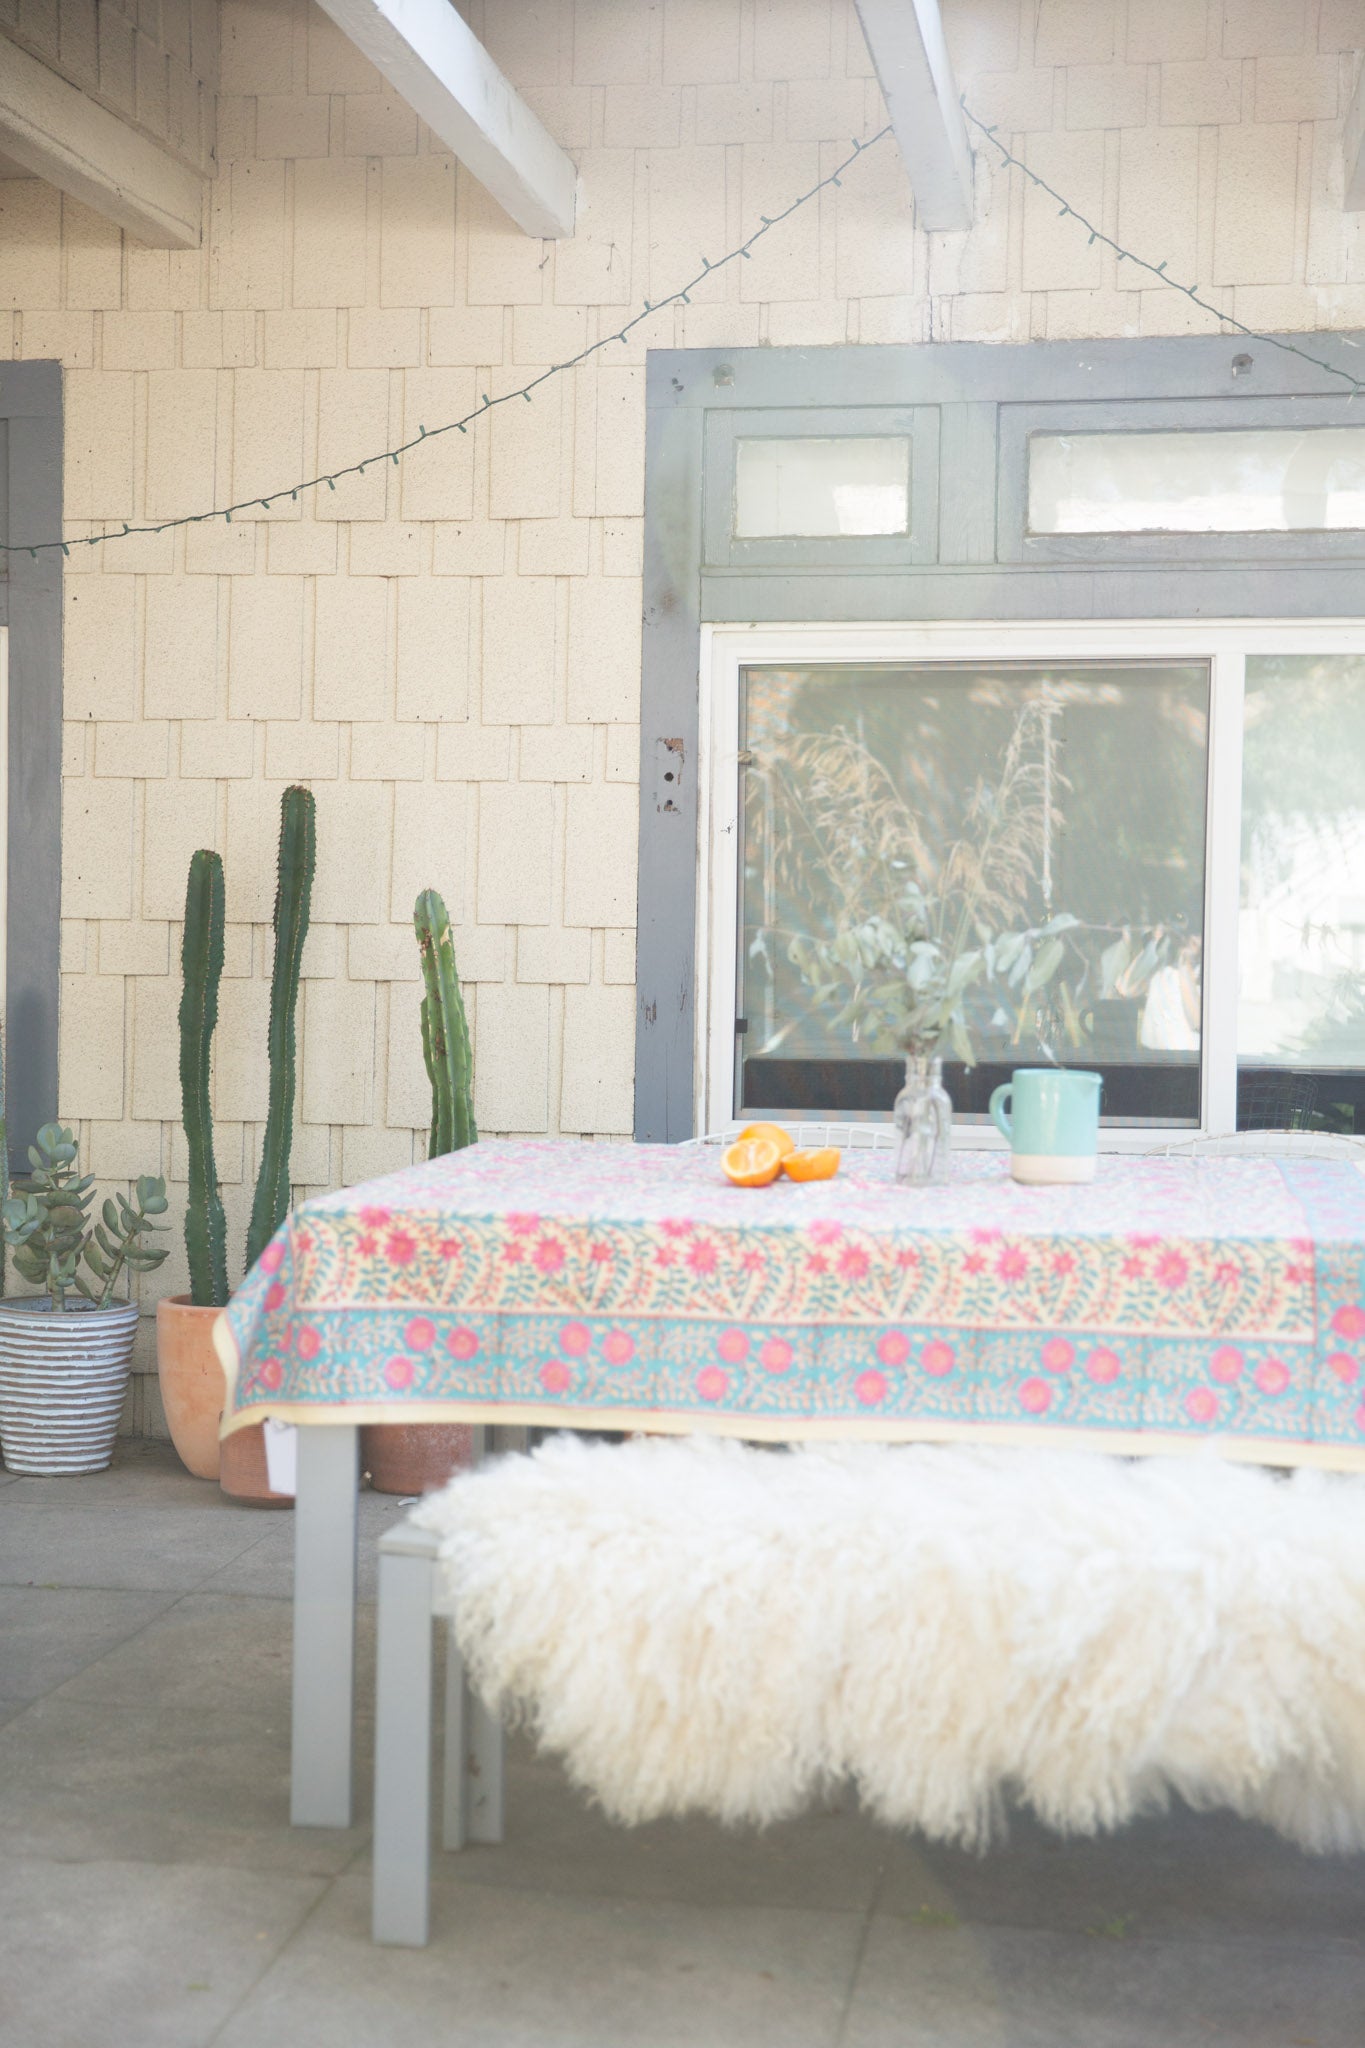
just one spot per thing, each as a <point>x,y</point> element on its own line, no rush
<point>449,653</point>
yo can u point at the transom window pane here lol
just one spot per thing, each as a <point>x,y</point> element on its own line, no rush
<point>1301,934</point>
<point>1265,480</point>
<point>1010,856</point>
<point>815,487</point>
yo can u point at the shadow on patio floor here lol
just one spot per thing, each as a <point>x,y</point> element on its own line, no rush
<point>152,1892</point>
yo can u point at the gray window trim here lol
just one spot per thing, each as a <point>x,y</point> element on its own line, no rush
<point>987,400</point>
<point>31,504</point>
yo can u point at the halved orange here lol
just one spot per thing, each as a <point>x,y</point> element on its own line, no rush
<point>819,1165</point>
<point>776,1134</point>
<point>752,1162</point>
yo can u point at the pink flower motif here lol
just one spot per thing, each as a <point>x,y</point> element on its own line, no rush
<point>1142,1240</point>
<point>974,1263</point>
<point>618,1348</point>
<point>272,1258</point>
<point>870,1388</point>
<point>817,1263</point>
<point>893,1348</point>
<point>1226,1274</point>
<point>853,1262</point>
<point>1036,1396</point>
<point>1131,1269</point>
<point>575,1339</point>
<point>1272,1377</point>
<point>1011,1264</point>
<point>1349,1322</point>
<point>712,1383</point>
<point>752,1262</point>
<point>776,1355</point>
<point>449,1247</point>
<point>665,1256</point>
<point>1202,1405</point>
<point>462,1342</point>
<point>1172,1270</point>
<point>1345,1367</point>
<point>308,1342</point>
<point>907,1256</point>
<point>270,1374</point>
<point>937,1358</point>
<point>673,1226</point>
<point>274,1295</point>
<point>401,1248</point>
<point>398,1372</point>
<point>555,1376</point>
<point>1298,1276</point>
<point>733,1346</point>
<point>420,1334</point>
<point>601,1255</point>
<point>1226,1365</point>
<point>522,1226</point>
<point>822,1231</point>
<point>1058,1355</point>
<point>1103,1365</point>
<point>1064,1265</point>
<point>548,1255</point>
<point>365,1245</point>
<point>701,1259</point>
<point>513,1254</point>
<point>375,1219</point>
<point>983,1233</point>
<point>304,1241</point>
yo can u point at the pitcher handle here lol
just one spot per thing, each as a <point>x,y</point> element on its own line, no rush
<point>999,1115</point>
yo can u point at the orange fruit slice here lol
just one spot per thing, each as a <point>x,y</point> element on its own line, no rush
<point>821,1165</point>
<point>752,1162</point>
<point>776,1134</point>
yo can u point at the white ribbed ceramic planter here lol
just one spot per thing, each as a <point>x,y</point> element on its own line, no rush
<point>62,1383</point>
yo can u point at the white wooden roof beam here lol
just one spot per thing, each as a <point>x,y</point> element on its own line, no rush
<point>905,41</point>
<point>439,66</point>
<point>52,130</point>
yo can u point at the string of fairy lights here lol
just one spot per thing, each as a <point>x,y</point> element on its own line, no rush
<point>710,267</point>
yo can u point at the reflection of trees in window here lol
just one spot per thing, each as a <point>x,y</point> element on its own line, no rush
<point>870,790</point>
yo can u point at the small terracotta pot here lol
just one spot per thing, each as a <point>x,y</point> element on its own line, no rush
<point>414,1457</point>
<point>191,1382</point>
<point>242,1471</point>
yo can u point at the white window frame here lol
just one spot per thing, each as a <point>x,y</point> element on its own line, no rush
<point>1224,644</point>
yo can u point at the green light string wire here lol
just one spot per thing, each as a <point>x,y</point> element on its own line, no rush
<point>1158,270</point>
<point>461,426</point>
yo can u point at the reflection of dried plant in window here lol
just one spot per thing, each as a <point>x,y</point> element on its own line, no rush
<point>908,930</point>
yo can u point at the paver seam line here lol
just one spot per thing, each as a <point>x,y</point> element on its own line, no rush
<point>864,1937</point>
<point>325,1887</point>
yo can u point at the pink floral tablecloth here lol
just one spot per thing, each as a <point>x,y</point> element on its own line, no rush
<point>631,1287</point>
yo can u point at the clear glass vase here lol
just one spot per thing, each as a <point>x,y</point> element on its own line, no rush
<point>923,1117</point>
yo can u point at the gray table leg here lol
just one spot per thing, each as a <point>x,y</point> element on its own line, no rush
<point>325,1514</point>
<point>472,1798</point>
<point>402,1750</point>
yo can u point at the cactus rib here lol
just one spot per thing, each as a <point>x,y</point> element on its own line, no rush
<point>445,1031</point>
<point>201,958</point>
<point>298,850</point>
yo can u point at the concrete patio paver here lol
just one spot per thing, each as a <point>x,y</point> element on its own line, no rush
<point>151,1890</point>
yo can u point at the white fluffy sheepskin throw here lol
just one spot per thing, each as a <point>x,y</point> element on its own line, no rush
<point>697,1625</point>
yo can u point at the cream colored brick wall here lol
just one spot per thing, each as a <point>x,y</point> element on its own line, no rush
<point>449,653</point>
<point>156,66</point>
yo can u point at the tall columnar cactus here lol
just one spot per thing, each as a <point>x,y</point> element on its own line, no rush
<point>445,1031</point>
<point>298,849</point>
<point>201,960</point>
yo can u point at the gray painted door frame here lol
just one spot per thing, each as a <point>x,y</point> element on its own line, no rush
<point>968,555</point>
<point>31,597</point>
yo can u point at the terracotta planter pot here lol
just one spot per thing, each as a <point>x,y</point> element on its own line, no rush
<point>62,1382</point>
<point>191,1382</point>
<point>242,1472</point>
<point>414,1457</point>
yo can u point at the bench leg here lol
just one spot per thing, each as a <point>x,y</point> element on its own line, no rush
<point>402,1752</point>
<point>472,1795</point>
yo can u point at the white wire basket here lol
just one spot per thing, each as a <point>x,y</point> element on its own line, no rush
<point>812,1136</point>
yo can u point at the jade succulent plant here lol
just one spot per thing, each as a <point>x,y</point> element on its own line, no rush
<point>47,1227</point>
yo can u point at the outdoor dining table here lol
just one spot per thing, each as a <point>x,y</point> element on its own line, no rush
<point>1173,1303</point>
